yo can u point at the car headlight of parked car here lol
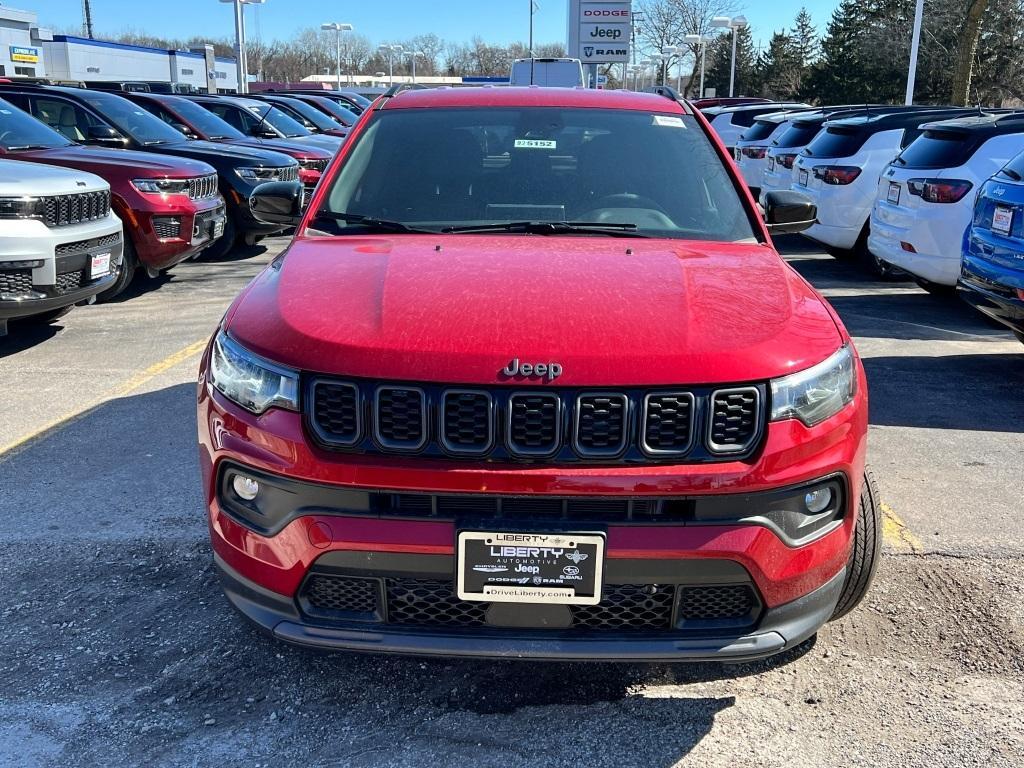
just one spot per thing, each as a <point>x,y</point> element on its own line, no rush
<point>162,186</point>
<point>21,207</point>
<point>249,380</point>
<point>817,393</point>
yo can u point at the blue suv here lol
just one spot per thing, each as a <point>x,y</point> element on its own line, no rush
<point>992,269</point>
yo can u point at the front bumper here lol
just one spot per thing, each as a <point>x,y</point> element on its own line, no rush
<point>173,231</point>
<point>779,629</point>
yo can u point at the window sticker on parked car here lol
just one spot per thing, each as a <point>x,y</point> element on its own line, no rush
<point>669,121</point>
<point>536,144</point>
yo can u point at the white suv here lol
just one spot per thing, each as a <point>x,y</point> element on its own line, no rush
<point>923,206</point>
<point>752,147</point>
<point>730,122</point>
<point>840,168</point>
<point>60,243</point>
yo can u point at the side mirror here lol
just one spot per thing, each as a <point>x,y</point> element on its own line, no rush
<point>104,135</point>
<point>261,132</point>
<point>277,202</point>
<point>786,212</point>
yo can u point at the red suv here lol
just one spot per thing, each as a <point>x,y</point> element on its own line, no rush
<point>170,206</point>
<point>532,381</point>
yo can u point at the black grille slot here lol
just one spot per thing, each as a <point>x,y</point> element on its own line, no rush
<point>453,506</point>
<point>534,424</point>
<point>61,210</point>
<point>336,411</point>
<point>330,596</point>
<point>601,424</point>
<point>735,420</point>
<point>717,602</point>
<point>628,606</point>
<point>167,226</point>
<point>668,423</point>
<point>15,280</point>
<point>426,602</point>
<point>80,246</point>
<point>400,418</point>
<point>71,281</point>
<point>467,422</point>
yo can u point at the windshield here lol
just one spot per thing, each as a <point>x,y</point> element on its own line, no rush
<point>280,120</point>
<point>797,135</point>
<point>309,113</point>
<point>21,131</point>
<point>938,149</point>
<point>622,171</point>
<point>759,131</point>
<point>131,119</point>
<point>204,121</point>
<point>837,141</point>
<point>345,116</point>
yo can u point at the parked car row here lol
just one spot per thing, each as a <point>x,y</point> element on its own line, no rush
<point>109,183</point>
<point>934,192</point>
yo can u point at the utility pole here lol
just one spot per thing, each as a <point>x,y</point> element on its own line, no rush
<point>87,18</point>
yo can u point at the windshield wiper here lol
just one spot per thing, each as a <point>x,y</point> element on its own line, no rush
<point>383,225</point>
<point>1011,173</point>
<point>22,147</point>
<point>551,228</point>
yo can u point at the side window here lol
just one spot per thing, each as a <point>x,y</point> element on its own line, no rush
<point>156,109</point>
<point>71,121</point>
<point>229,115</point>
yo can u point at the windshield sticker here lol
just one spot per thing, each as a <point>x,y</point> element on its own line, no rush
<point>536,144</point>
<point>669,121</point>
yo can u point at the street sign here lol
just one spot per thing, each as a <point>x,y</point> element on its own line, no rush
<point>600,30</point>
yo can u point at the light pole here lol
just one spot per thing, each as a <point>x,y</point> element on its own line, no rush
<point>658,60</point>
<point>391,51</point>
<point>735,24</point>
<point>412,57</point>
<point>915,44</point>
<point>702,42</point>
<point>668,51</point>
<point>241,63</point>
<point>337,29</point>
<point>635,70</point>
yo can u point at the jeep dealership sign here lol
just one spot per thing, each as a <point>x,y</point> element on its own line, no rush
<point>599,31</point>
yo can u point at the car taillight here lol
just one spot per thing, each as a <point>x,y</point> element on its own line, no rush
<point>755,153</point>
<point>939,190</point>
<point>786,161</point>
<point>837,175</point>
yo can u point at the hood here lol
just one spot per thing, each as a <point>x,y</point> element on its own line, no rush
<point>126,162</point>
<point>235,156</point>
<point>331,143</point>
<point>21,178</point>
<point>671,312</point>
<point>295,149</point>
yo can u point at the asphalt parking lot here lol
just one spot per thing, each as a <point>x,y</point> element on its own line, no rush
<point>117,647</point>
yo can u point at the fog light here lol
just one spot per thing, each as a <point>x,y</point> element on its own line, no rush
<point>247,488</point>
<point>816,501</point>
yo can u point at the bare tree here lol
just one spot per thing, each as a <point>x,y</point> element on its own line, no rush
<point>967,46</point>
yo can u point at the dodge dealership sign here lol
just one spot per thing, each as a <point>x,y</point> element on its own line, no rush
<point>599,31</point>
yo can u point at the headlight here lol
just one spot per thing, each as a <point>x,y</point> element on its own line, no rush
<point>256,175</point>
<point>249,380</point>
<point>817,393</point>
<point>162,186</point>
<point>21,207</point>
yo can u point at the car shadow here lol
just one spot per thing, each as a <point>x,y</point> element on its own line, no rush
<point>22,335</point>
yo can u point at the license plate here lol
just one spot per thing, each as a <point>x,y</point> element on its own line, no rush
<point>217,229</point>
<point>893,196</point>
<point>803,177</point>
<point>504,567</point>
<point>738,154</point>
<point>1002,220</point>
<point>771,163</point>
<point>99,265</point>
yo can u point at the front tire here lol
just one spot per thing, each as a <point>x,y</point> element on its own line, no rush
<point>866,551</point>
<point>125,274</point>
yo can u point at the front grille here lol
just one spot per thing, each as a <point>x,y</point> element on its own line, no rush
<point>15,281</point>
<point>81,246</point>
<point>716,602</point>
<point>735,418</point>
<point>401,418</point>
<point>289,173</point>
<point>699,424</point>
<point>534,424</point>
<point>601,424</point>
<point>62,210</point>
<point>422,602</point>
<point>202,187</point>
<point>71,281</point>
<point>167,226</point>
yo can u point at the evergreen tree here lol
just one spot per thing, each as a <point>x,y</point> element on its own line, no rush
<point>805,39</point>
<point>781,68</point>
<point>840,75</point>
<point>748,80</point>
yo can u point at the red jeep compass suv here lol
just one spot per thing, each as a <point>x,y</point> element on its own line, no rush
<point>532,381</point>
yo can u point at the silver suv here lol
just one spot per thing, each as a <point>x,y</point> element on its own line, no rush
<point>60,244</point>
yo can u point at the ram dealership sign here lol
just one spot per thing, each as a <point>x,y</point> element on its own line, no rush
<point>599,31</point>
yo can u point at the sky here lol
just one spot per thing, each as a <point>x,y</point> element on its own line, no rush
<point>497,21</point>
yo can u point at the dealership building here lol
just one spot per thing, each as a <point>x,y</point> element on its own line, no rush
<point>28,50</point>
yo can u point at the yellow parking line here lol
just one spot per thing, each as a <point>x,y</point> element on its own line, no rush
<point>897,534</point>
<point>135,382</point>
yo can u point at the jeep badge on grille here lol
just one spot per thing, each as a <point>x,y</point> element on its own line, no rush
<point>536,370</point>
